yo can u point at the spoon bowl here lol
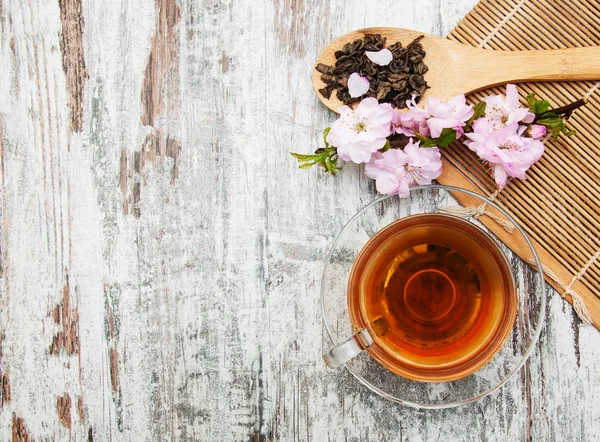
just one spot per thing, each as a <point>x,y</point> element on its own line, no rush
<point>455,68</point>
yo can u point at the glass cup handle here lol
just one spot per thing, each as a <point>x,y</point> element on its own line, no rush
<point>345,351</point>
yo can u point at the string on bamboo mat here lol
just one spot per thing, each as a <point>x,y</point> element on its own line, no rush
<point>500,25</point>
<point>578,302</point>
<point>476,212</point>
<point>591,91</point>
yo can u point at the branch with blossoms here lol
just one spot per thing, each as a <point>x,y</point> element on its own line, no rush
<point>400,150</point>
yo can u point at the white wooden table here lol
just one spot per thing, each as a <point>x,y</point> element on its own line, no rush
<point>161,252</point>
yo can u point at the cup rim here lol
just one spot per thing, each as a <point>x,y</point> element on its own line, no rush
<point>536,332</point>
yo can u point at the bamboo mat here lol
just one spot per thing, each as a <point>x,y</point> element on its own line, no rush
<point>559,203</point>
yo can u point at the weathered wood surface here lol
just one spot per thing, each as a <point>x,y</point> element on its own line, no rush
<point>161,252</point>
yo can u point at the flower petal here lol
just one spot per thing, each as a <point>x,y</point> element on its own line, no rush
<point>372,169</point>
<point>537,131</point>
<point>536,150</point>
<point>529,117</point>
<point>344,152</point>
<point>357,85</point>
<point>387,183</point>
<point>436,125</point>
<point>358,155</point>
<point>359,133</point>
<point>512,97</point>
<point>438,108</point>
<point>517,115</point>
<point>382,58</point>
<point>394,158</point>
<point>459,102</point>
<point>403,188</point>
<point>500,176</point>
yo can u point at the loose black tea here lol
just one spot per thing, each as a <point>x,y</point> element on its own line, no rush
<point>394,83</point>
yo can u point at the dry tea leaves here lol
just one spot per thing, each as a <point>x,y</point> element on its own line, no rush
<point>394,83</point>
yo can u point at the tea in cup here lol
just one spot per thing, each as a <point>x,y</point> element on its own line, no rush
<point>431,297</point>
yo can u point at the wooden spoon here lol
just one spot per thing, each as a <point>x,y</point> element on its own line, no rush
<point>455,68</point>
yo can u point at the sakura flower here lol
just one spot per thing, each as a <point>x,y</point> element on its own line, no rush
<point>359,133</point>
<point>382,58</point>
<point>501,111</point>
<point>536,131</point>
<point>507,151</point>
<point>357,85</point>
<point>451,114</point>
<point>414,120</point>
<point>394,171</point>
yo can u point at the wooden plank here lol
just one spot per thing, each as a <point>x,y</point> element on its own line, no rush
<point>160,258</point>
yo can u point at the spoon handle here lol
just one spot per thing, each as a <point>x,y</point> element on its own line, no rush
<point>491,68</point>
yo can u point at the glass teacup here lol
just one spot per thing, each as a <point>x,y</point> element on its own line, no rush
<point>431,297</point>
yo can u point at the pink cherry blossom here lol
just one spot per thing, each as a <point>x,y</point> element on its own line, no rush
<point>359,133</point>
<point>506,150</point>
<point>357,85</point>
<point>537,131</point>
<point>413,120</point>
<point>395,170</point>
<point>450,114</point>
<point>382,58</point>
<point>501,111</point>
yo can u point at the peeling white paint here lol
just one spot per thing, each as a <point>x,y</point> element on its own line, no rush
<point>214,289</point>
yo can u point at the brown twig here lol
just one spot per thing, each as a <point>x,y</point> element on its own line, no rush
<point>569,107</point>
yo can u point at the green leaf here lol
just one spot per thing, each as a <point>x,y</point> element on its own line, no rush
<point>387,146</point>
<point>325,133</point>
<point>540,107</point>
<point>531,100</point>
<point>555,124</point>
<point>425,141</point>
<point>478,112</point>
<point>428,143</point>
<point>536,106</point>
<point>330,165</point>
<point>324,157</point>
<point>304,157</point>
<point>447,136</point>
<point>421,138</point>
<point>547,115</point>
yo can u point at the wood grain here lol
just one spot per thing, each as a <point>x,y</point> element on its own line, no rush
<point>63,409</point>
<point>19,432</point>
<point>71,48</point>
<point>197,300</point>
